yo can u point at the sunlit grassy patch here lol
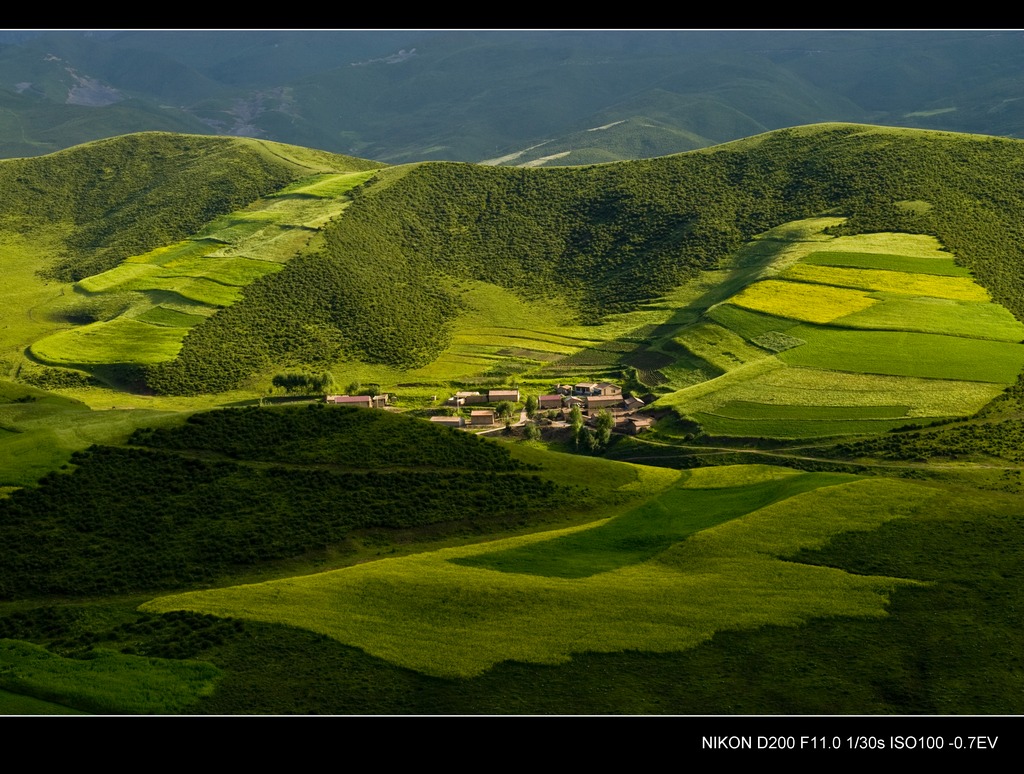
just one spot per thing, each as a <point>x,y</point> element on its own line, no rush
<point>906,354</point>
<point>326,185</point>
<point>959,288</point>
<point>648,529</point>
<point>801,301</point>
<point>718,346</point>
<point>930,264</point>
<point>428,613</point>
<point>748,324</point>
<point>119,341</point>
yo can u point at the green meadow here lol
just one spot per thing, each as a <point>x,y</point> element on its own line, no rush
<point>433,613</point>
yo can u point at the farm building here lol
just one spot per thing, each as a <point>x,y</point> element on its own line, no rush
<point>598,402</point>
<point>481,417</point>
<point>549,401</point>
<point>632,404</point>
<point>636,425</point>
<point>449,421</point>
<point>363,401</point>
<point>494,396</point>
<point>603,389</point>
<point>464,397</point>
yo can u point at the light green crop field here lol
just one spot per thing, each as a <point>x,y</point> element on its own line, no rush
<point>783,427</point>
<point>800,301</point>
<point>432,613</point>
<point>181,274</point>
<point>774,383</point>
<point>172,318</point>
<point>107,682</point>
<point>907,263</point>
<point>905,283</point>
<point>740,409</point>
<point>973,319</point>
<point>899,353</point>
<point>121,340</point>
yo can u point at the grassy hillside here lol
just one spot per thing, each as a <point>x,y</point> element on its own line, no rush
<point>602,241</point>
<point>840,338</point>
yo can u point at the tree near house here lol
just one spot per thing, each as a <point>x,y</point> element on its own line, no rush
<point>298,382</point>
<point>531,405</point>
<point>576,422</point>
<point>605,424</point>
<point>504,409</point>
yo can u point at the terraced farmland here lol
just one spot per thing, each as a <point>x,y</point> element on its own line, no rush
<point>163,293</point>
<point>850,341</point>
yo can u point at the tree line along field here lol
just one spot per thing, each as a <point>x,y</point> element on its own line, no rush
<point>404,567</point>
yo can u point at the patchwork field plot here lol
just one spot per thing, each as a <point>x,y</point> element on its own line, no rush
<point>914,264</point>
<point>168,290</point>
<point>972,319</point>
<point>797,301</point>
<point>901,353</point>
<point>433,613</point>
<point>905,282</point>
<point>860,341</point>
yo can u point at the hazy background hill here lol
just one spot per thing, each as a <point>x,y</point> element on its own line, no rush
<point>567,97</point>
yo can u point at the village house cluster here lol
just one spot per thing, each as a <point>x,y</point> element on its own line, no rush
<point>590,397</point>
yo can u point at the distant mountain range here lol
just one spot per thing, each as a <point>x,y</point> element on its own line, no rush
<point>501,97</point>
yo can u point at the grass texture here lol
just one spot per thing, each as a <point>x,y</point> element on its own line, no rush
<point>429,613</point>
<point>105,682</point>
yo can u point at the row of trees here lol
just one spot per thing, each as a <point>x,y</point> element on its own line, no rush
<point>303,382</point>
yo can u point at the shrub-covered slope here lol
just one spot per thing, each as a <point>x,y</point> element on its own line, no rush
<point>300,481</point>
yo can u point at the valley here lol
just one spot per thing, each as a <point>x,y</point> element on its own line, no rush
<point>823,323</point>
